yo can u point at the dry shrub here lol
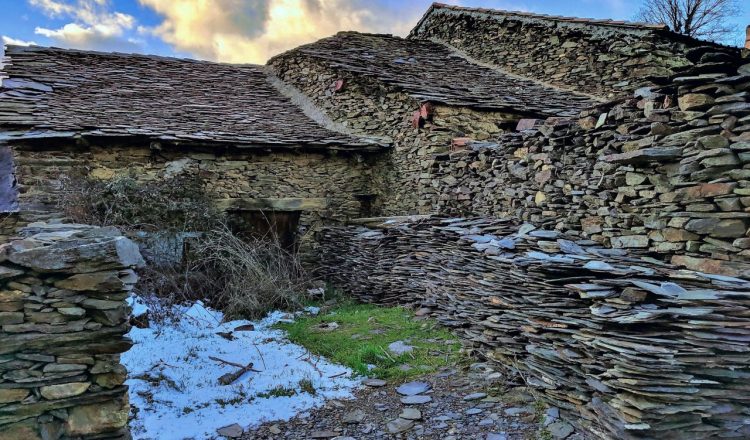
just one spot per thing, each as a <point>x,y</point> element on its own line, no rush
<point>249,276</point>
<point>176,204</point>
<point>245,277</point>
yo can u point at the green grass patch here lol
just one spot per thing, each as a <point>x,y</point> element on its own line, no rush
<point>363,334</point>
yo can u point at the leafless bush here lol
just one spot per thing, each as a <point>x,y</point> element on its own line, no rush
<point>244,276</point>
<point>248,276</point>
<point>176,204</point>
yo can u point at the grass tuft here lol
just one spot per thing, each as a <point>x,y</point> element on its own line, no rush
<point>362,337</point>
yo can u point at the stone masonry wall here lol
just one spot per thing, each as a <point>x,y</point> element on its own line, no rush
<point>332,182</point>
<point>366,107</point>
<point>626,347</point>
<point>63,320</point>
<point>605,61</point>
<point>667,172</point>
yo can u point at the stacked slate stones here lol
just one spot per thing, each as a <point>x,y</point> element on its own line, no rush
<point>63,320</point>
<point>627,346</point>
<point>667,171</point>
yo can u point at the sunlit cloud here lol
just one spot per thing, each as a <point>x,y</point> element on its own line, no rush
<point>9,41</point>
<point>253,31</point>
<point>94,25</point>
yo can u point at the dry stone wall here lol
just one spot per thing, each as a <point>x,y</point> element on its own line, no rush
<point>604,60</point>
<point>63,320</point>
<point>667,172</point>
<point>367,107</point>
<point>625,346</point>
<point>333,183</point>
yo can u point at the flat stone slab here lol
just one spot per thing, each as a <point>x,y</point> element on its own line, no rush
<point>475,396</point>
<point>231,431</point>
<point>411,414</point>
<point>399,425</point>
<point>416,400</point>
<point>412,388</point>
<point>400,347</point>
<point>376,383</point>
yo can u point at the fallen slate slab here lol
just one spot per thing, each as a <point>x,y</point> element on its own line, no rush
<point>399,425</point>
<point>376,383</point>
<point>416,400</point>
<point>475,396</point>
<point>410,414</point>
<point>400,347</point>
<point>231,431</point>
<point>412,388</point>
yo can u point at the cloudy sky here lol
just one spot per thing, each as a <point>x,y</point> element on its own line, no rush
<point>247,30</point>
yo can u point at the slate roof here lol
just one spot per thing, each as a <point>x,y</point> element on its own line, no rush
<point>430,71</point>
<point>499,13</point>
<point>54,92</point>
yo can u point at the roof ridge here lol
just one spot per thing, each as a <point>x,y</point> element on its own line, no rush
<point>14,49</point>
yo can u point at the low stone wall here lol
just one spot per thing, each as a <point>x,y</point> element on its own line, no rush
<point>666,172</point>
<point>626,346</point>
<point>63,320</point>
<point>604,59</point>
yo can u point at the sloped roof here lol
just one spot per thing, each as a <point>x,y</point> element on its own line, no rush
<point>499,13</point>
<point>55,92</point>
<point>430,71</point>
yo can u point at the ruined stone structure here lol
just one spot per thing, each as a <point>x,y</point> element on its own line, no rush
<point>63,320</point>
<point>419,95</point>
<point>606,58</point>
<point>636,275</point>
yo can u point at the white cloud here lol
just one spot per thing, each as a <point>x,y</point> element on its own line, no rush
<point>254,30</point>
<point>94,25</point>
<point>16,42</point>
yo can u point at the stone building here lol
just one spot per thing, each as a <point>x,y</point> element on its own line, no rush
<point>236,127</point>
<point>625,139</point>
<point>421,95</point>
<point>606,58</point>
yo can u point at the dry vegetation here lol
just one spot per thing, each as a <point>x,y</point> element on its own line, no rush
<point>191,252</point>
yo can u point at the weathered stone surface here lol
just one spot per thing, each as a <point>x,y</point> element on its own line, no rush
<point>11,318</point>
<point>64,390</point>
<point>716,227</point>
<point>91,256</point>
<point>643,156</point>
<point>92,419</point>
<point>8,395</point>
<point>630,241</point>
<point>695,101</point>
<point>109,281</point>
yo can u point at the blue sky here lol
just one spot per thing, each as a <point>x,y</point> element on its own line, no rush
<point>248,30</point>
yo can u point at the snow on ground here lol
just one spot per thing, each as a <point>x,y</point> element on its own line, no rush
<point>174,386</point>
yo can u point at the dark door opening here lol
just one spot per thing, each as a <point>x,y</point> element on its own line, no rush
<point>279,225</point>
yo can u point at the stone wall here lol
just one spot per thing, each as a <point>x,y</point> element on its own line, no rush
<point>603,60</point>
<point>367,107</point>
<point>667,172</point>
<point>322,185</point>
<point>626,347</point>
<point>63,320</point>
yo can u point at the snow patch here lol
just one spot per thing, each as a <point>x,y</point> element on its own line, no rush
<point>174,386</point>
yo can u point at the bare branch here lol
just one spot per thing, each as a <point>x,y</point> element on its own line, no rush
<point>705,19</point>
